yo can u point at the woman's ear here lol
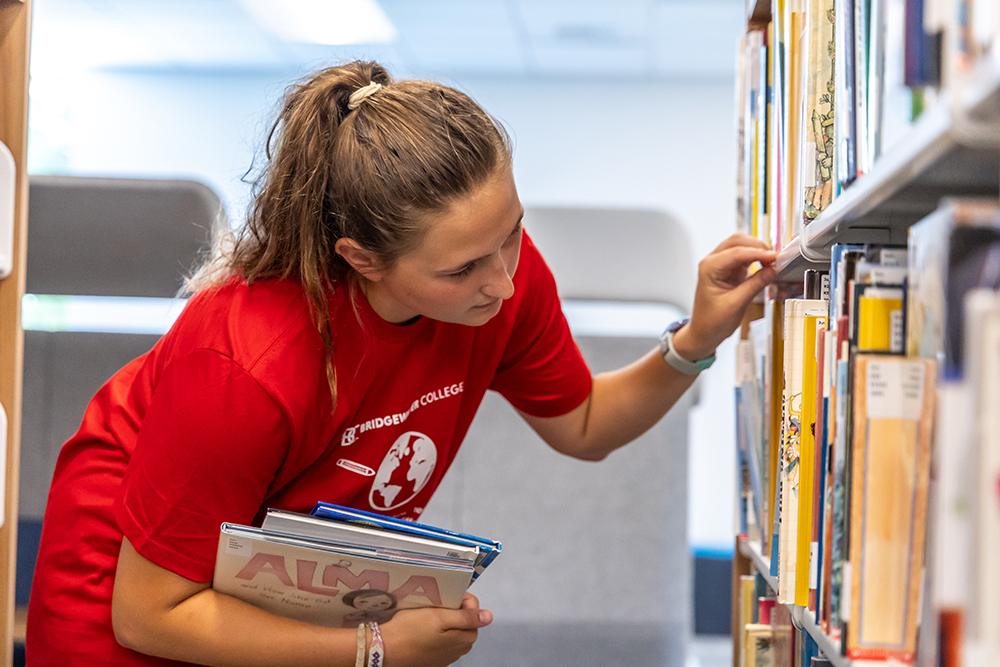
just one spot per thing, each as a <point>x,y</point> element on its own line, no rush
<point>361,260</point>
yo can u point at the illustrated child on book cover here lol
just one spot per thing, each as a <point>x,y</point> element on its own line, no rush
<point>371,605</point>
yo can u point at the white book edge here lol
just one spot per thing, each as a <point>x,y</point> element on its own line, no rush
<point>8,179</point>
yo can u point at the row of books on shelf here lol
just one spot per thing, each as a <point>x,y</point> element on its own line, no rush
<point>869,439</point>
<point>767,635</point>
<point>829,86</point>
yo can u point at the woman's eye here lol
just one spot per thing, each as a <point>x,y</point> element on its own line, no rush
<point>461,274</point>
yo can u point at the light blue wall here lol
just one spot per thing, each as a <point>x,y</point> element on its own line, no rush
<point>660,145</point>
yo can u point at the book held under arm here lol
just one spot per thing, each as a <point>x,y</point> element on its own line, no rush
<point>336,574</point>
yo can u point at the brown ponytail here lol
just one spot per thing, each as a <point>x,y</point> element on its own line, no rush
<point>372,174</point>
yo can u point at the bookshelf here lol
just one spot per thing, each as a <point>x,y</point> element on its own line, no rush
<point>751,551</point>
<point>951,150</point>
<point>15,22</point>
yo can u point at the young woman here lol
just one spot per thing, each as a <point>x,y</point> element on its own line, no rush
<point>382,284</point>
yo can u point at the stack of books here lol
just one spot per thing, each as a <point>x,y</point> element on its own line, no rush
<point>339,567</point>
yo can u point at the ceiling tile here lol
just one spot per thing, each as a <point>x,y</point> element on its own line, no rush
<point>515,38</point>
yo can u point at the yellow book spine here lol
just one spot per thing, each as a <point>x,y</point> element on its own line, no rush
<point>807,455</point>
<point>875,323</point>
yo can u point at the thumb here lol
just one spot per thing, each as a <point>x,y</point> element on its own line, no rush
<point>468,619</point>
<point>748,289</point>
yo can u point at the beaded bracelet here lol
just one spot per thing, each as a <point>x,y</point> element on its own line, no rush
<point>359,659</point>
<point>377,649</point>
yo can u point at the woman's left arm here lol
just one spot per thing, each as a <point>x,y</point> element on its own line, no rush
<point>623,404</point>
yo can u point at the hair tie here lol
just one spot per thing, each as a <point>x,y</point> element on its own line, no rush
<point>361,94</point>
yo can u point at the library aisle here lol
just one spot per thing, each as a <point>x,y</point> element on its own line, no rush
<point>868,375</point>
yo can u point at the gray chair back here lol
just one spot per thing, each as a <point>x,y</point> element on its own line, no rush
<point>97,237</point>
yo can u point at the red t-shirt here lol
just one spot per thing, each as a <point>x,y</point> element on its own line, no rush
<point>230,413</point>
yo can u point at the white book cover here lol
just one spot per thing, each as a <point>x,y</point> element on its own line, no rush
<point>8,180</point>
<point>306,525</point>
<point>952,463</point>
<point>982,363</point>
<point>311,582</point>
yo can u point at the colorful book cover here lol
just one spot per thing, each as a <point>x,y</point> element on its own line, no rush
<point>818,132</point>
<point>880,318</point>
<point>791,438</point>
<point>759,642</point>
<point>331,586</point>
<point>893,420</point>
<point>813,321</point>
<point>819,473</point>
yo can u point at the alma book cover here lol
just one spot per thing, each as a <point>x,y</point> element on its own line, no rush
<point>336,580</point>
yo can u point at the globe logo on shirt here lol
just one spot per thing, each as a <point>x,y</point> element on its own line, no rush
<point>404,471</point>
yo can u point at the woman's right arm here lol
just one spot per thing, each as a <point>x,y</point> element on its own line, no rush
<point>158,612</point>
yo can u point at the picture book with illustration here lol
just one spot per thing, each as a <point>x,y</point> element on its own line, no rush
<point>339,572</point>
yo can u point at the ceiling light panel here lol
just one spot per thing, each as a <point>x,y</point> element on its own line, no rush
<point>74,35</point>
<point>334,22</point>
<point>459,35</point>
<point>203,34</point>
<point>583,23</point>
<point>589,37</point>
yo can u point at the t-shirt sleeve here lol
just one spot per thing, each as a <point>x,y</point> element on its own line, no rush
<point>208,449</point>
<point>542,372</point>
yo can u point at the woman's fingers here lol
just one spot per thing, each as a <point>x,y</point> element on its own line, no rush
<point>741,240</point>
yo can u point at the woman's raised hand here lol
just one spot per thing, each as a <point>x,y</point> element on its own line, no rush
<point>725,289</point>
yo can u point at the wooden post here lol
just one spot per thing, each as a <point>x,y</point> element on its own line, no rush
<point>15,30</point>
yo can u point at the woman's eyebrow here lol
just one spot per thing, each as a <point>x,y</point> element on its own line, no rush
<point>473,261</point>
